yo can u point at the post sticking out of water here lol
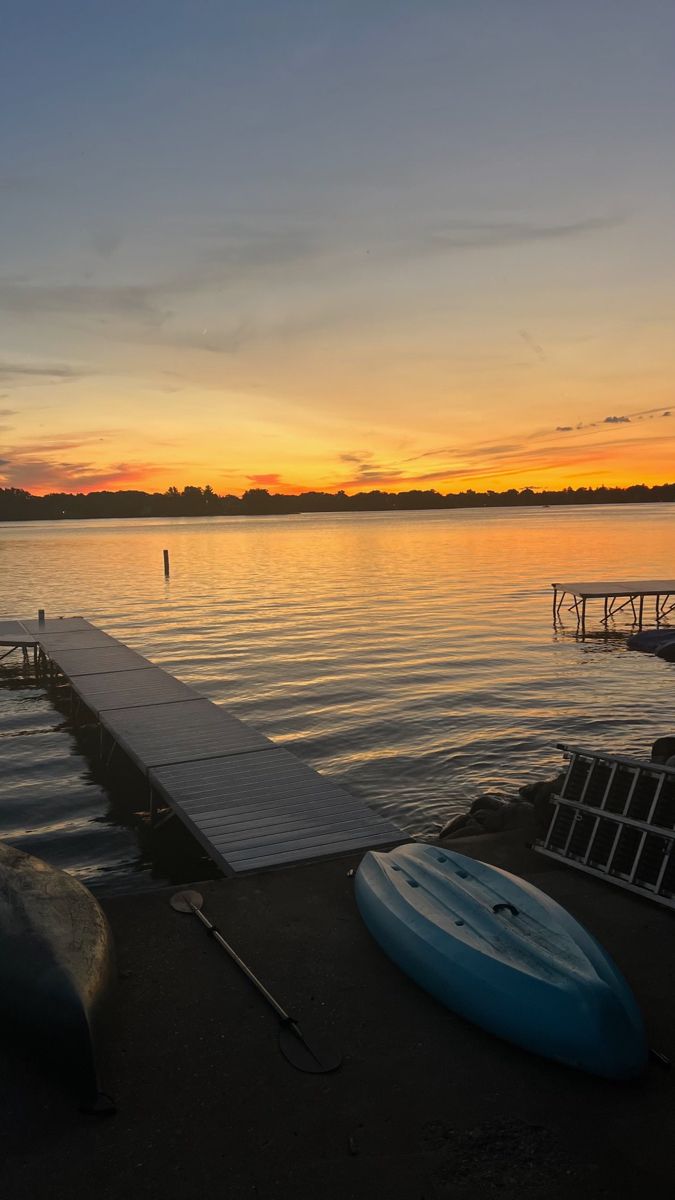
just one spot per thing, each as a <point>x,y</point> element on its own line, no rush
<point>41,616</point>
<point>166,564</point>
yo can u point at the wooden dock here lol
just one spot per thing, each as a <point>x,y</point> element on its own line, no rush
<point>251,804</point>
<point>630,593</point>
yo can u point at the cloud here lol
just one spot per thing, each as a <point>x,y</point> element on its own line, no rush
<point>626,419</point>
<point>106,242</point>
<point>355,456</point>
<point>7,412</point>
<point>471,235</point>
<point>536,451</point>
<point>529,341</point>
<point>264,479</point>
<point>480,450</point>
<point>243,249</point>
<point>368,471</point>
<point>17,371</point>
<point>136,302</point>
<point>44,474</point>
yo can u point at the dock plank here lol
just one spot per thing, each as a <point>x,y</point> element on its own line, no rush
<point>128,689</point>
<point>304,811</point>
<point>157,735</point>
<point>98,660</point>
<point>251,804</point>
<point>14,633</point>
<point>75,639</point>
<point>598,588</point>
<point>56,624</point>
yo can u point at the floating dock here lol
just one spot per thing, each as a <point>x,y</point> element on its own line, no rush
<point>251,804</point>
<point>615,597</point>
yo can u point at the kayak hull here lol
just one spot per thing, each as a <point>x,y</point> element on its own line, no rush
<point>56,969</point>
<point>527,972</point>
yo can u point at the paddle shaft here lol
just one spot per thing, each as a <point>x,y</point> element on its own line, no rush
<point>215,933</point>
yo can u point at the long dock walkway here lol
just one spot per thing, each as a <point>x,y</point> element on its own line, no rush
<point>629,592</point>
<point>250,803</point>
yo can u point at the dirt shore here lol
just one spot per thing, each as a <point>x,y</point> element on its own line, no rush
<point>424,1106</point>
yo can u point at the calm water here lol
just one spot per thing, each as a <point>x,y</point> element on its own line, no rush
<point>409,656</point>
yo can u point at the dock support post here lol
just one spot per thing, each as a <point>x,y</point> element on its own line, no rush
<point>166,564</point>
<point>41,616</point>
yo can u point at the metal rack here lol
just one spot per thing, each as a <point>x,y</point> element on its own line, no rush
<point>615,818</point>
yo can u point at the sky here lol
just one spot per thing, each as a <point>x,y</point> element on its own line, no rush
<point>325,244</point>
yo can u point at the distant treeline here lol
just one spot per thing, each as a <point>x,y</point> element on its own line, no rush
<point>18,505</point>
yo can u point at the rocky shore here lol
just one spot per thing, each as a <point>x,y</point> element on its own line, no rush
<point>493,812</point>
<point>530,810</point>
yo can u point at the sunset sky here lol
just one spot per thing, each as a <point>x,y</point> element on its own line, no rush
<point>345,244</point>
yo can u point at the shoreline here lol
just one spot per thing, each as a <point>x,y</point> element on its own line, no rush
<point>424,1104</point>
<point>348,510</point>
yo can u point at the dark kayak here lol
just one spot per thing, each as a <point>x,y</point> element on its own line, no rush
<point>56,968</point>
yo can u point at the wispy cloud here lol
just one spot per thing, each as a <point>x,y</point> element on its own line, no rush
<point>368,470</point>
<point>537,453</point>
<point>646,414</point>
<point>458,234</point>
<point>265,479</point>
<point>106,242</point>
<point>26,370</point>
<point>241,249</point>
<point>355,456</point>
<point>51,473</point>
<point>534,345</point>
<point>131,301</point>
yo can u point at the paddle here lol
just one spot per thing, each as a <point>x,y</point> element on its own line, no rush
<point>312,1056</point>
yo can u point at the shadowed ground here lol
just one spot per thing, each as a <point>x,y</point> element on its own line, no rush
<point>424,1106</point>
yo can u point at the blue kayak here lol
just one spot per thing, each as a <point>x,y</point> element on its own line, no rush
<point>502,954</point>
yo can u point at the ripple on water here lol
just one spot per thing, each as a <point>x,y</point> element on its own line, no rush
<point>409,656</point>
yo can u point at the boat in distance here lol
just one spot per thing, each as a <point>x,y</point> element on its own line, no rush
<point>56,969</point>
<point>504,955</point>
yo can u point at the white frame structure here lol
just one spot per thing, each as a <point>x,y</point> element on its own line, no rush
<point>615,818</point>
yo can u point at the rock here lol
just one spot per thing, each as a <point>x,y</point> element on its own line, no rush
<point>543,789</point>
<point>463,825</point>
<point>489,801</point>
<point>491,820</point>
<point>518,816</point>
<point>662,749</point>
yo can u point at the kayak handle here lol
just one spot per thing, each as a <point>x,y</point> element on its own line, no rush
<point>496,908</point>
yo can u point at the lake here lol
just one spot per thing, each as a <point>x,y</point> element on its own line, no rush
<point>409,656</point>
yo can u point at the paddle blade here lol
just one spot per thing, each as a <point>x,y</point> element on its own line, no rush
<point>186,901</point>
<point>307,1053</point>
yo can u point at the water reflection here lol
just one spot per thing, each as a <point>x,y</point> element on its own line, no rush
<point>409,656</point>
